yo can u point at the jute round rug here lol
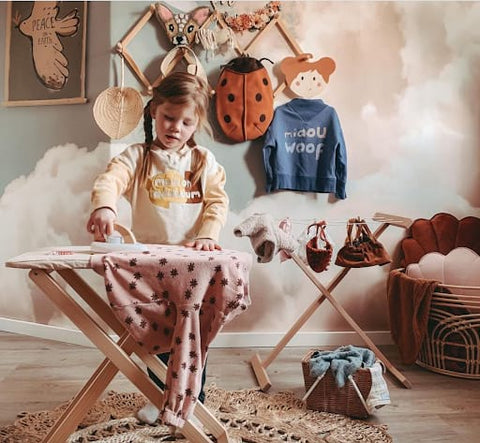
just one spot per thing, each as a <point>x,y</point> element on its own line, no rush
<point>250,416</point>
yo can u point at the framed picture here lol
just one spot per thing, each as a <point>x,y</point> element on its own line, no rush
<point>45,53</point>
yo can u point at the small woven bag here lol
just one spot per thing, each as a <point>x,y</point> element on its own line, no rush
<point>318,257</point>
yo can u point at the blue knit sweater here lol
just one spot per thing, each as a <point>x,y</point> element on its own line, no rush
<point>304,149</point>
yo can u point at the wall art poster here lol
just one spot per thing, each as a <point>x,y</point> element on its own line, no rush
<point>45,53</point>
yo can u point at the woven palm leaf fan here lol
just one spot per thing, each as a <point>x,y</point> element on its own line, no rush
<point>117,110</point>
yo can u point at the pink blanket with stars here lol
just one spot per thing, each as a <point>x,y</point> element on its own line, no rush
<point>176,299</point>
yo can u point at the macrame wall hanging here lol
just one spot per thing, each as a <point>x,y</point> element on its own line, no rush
<point>212,40</point>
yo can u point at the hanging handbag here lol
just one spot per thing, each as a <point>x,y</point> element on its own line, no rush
<point>317,257</point>
<point>175,55</point>
<point>362,251</point>
<point>244,99</point>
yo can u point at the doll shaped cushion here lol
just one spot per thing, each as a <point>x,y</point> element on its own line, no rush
<point>442,233</point>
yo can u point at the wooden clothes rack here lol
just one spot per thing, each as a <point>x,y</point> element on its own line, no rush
<point>260,366</point>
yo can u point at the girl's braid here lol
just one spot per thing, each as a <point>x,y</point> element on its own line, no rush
<point>148,129</point>
<point>147,125</point>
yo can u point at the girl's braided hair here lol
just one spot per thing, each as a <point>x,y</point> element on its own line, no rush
<point>180,88</point>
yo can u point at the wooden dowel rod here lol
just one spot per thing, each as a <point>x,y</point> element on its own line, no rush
<point>288,37</point>
<point>138,26</point>
<point>136,70</point>
<point>260,33</point>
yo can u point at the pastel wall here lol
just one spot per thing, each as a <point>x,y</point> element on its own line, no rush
<point>406,91</point>
<point>28,132</point>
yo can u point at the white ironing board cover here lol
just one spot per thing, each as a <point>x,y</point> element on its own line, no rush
<point>53,258</point>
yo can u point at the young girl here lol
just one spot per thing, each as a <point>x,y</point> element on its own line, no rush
<point>175,187</point>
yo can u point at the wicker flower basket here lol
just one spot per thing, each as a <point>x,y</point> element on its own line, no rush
<point>328,397</point>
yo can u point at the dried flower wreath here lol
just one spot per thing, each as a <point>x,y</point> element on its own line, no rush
<point>254,21</point>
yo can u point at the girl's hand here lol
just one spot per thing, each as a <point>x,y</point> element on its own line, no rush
<point>203,244</point>
<point>101,223</point>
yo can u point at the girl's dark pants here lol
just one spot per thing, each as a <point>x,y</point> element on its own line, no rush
<point>164,357</point>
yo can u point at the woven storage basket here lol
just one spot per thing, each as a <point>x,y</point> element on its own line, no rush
<point>328,397</point>
<point>451,345</point>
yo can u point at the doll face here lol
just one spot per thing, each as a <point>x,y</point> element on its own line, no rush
<point>308,84</point>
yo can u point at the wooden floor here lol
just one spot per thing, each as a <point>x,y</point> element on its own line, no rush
<point>39,374</point>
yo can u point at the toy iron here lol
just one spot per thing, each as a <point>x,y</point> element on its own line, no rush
<point>121,240</point>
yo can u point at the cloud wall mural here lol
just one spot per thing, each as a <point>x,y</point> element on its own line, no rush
<point>406,91</point>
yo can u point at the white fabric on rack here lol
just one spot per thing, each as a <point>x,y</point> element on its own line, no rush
<point>266,236</point>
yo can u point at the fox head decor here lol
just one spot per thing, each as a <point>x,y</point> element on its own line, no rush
<point>182,27</point>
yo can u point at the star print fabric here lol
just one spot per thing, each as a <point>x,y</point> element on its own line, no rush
<point>176,299</point>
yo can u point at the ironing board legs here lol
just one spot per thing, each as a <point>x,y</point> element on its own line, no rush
<point>117,355</point>
<point>99,306</point>
<point>83,401</point>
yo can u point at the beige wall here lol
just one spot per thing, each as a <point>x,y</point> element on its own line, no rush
<point>405,89</point>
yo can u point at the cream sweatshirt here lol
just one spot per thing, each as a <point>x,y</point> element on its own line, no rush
<point>166,209</point>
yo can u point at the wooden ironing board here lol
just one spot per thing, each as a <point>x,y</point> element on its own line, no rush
<point>47,268</point>
<point>260,366</point>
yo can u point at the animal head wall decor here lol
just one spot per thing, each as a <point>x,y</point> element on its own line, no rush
<point>182,27</point>
<point>307,79</point>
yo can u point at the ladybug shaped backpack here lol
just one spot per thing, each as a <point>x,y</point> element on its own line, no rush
<point>244,99</point>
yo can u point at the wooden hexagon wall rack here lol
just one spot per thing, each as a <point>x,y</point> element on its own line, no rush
<point>216,16</point>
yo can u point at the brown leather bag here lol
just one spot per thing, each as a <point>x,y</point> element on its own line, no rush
<point>362,251</point>
<point>317,257</point>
